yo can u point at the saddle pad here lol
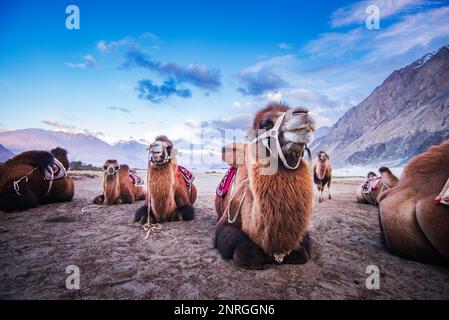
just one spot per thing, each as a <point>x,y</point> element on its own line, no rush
<point>371,184</point>
<point>186,175</point>
<point>55,171</point>
<point>135,179</point>
<point>223,187</point>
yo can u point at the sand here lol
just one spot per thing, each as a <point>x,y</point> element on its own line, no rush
<point>178,261</point>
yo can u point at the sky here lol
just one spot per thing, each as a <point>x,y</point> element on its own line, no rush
<point>136,69</point>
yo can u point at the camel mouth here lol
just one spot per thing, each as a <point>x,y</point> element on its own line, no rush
<point>300,135</point>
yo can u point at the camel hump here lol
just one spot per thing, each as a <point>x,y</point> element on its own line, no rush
<point>125,167</point>
<point>235,154</point>
<point>32,158</point>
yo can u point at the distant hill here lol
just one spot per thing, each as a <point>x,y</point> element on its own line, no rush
<point>5,154</point>
<point>401,118</point>
<point>94,151</point>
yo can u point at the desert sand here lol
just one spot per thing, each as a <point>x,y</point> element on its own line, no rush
<point>178,261</point>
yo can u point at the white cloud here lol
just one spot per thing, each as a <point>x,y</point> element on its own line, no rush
<point>71,128</point>
<point>89,63</point>
<point>355,13</point>
<point>285,46</point>
<point>274,96</point>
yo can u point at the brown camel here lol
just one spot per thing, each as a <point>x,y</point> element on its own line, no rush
<point>322,174</point>
<point>369,191</point>
<point>35,177</point>
<point>265,216</point>
<point>413,225</point>
<point>171,192</point>
<point>120,185</point>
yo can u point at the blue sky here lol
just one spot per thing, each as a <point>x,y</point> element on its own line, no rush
<point>136,69</point>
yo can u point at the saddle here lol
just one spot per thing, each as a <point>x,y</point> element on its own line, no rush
<point>55,171</point>
<point>225,183</point>
<point>135,179</point>
<point>186,175</point>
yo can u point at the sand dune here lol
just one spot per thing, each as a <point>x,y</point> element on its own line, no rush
<point>178,261</point>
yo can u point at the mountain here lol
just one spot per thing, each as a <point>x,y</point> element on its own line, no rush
<point>402,117</point>
<point>81,147</point>
<point>321,132</point>
<point>5,154</point>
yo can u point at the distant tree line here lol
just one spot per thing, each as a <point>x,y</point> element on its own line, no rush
<point>79,166</point>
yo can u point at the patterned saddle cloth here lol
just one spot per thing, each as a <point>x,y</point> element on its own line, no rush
<point>135,179</point>
<point>55,172</point>
<point>186,175</point>
<point>223,187</point>
<point>371,184</point>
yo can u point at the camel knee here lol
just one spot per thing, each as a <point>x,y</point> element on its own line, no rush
<point>99,199</point>
<point>141,215</point>
<point>187,212</point>
<point>226,239</point>
<point>249,255</point>
<point>302,254</point>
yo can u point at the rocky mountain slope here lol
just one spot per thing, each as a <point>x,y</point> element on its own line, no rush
<point>5,154</point>
<point>402,117</point>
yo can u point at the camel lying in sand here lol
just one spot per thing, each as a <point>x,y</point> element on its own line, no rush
<point>374,185</point>
<point>120,185</point>
<point>265,216</point>
<point>322,174</point>
<point>171,192</point>
<point>35,177</point>
<point>413,225</point>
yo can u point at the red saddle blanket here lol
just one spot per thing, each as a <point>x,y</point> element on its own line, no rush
<point>135,179</point>
<point>186,175</point>
<point>55,172</point>
<point>223,187</point>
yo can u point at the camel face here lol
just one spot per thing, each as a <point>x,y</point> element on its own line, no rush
<point>292,129</point>
<point>160,152</point>
<point>322,156</point>
<point>111,168</point>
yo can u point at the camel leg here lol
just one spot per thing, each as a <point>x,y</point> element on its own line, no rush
<point>141,215</point>
<point>127,197</point>
<point>302,254</point>
<point>10,201</point>
<point>233,243</point>
<point>184,208</point>
<point>99,199</point>
<point>329,188</point>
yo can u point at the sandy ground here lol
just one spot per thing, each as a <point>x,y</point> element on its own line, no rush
<point>178,262</point>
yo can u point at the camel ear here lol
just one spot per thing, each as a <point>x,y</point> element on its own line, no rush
<point>327,157</point>
<point>235,154</point>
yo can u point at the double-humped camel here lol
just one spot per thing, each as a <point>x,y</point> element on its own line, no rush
<point>120,185</point>
<point>264,217</point>
<point>35,177</point>
<point>413,224</point>
<point>368,191</point>
<point>322,174</point>
<point>171,192</point>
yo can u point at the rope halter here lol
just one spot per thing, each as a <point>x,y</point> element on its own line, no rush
<point>274,133</point>
<point>158,147</point>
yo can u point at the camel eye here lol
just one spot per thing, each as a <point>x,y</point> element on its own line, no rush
<point>104,168</point>
<point>266,124</point>
<point>116,168</point>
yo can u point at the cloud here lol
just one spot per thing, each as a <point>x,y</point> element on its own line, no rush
<point>71,128</point>
<point>136,123</point>
<point>257,83</point>
<point>156,94</point>
<point>89,63</point>
<point>355,13</point>
<point>148,40</point>
<point>285,46</point>
<point>197,75</point>
<point>237,122</point>
<point>125,110</point>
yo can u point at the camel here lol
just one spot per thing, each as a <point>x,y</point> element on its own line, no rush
<point>33,178</point>
<point>413,225</point>
<point>120,185</point>
<point>368,192</point>
<point>171,192</point>
<point>264,217</point>
<point>322,174</point>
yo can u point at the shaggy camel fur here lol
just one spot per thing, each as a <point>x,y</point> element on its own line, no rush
<point>322,174</point>
<point>387,180</point>
<point>23,182</point>
<point>414,227</point>
<point>170,197</point>
<point>265,216</point>
<point>118,187</point>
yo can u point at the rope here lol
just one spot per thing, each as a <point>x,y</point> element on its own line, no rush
<point>16,183</point>
<point>151,227</point>
<point>228,209</point>
<point>84,209</point>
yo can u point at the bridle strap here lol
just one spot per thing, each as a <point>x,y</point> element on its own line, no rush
<point>274,133</point>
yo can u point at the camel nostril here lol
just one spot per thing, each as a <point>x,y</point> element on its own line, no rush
<point>300,110</point>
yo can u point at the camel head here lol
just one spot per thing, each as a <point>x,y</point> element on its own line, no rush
<point>292,129</point>
<point>111,169</point>
<point>322,156</point>
<point>160,151</point>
